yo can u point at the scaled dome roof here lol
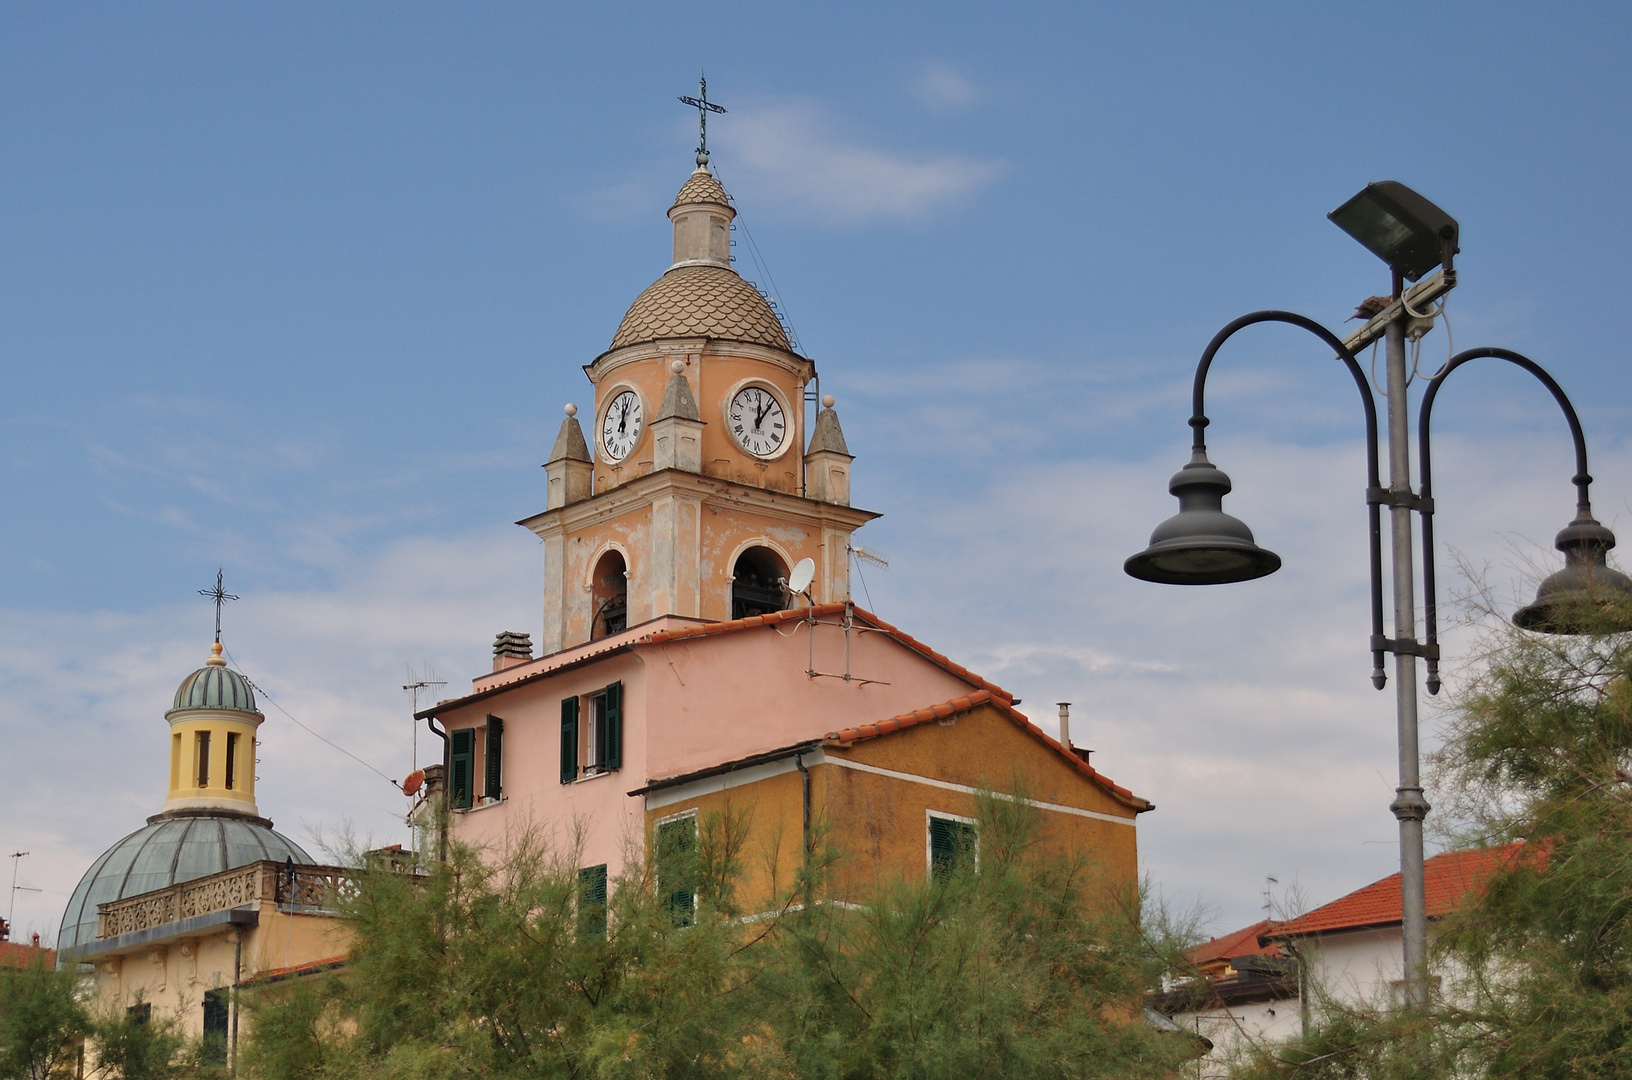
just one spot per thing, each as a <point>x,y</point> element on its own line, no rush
<point>215,686</point>
<point>167,851</point>
<point>701,302</point>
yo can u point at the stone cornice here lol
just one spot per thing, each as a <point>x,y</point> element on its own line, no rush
<point>613,359</point>
<point>708,490</point>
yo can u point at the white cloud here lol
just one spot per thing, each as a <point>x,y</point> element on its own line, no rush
<point>794,153</point>
<point>940,85</point>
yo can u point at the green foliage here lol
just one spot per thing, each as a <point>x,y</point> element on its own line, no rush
<point>42,1023</point>
<point>1030,966</point>
<point>131,1044</point>
<point>1538,964</point>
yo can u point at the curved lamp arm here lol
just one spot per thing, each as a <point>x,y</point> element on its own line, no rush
<point>1375,495</point>
<point>1582,480</point>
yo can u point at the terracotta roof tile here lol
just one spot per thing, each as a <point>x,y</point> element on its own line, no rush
<point>963,704</point>
<point>310,967</point>
<point>701,302</point>
<point>1448,878</point>
<point>701,187</point>
<point>820,611</point>
<point>1242,942</point>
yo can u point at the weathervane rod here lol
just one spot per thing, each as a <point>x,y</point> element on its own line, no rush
<point>703,107</point>
<point>220,596</point>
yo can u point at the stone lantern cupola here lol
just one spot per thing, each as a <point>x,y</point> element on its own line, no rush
<point>212,741</point>
<point>702,216</point>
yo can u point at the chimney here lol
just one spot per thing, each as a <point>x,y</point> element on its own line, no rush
<point>1065,724</point>
<point>511,648</point>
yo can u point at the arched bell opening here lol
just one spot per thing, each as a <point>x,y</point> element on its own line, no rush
<point>609,596</point>
<point>756,583</point>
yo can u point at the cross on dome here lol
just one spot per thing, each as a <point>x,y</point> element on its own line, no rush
<point>703,107</point>
<point>220,596</point>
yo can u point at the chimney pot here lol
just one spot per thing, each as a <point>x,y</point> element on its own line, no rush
<point>1065,724</point>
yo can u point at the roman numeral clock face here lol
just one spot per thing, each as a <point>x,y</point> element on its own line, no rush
<point>757,421</point>
<point>620,426</point>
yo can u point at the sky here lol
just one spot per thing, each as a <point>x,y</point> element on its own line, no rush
<point>300,290</point>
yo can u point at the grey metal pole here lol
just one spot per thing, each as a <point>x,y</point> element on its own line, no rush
<point>1409,806</point>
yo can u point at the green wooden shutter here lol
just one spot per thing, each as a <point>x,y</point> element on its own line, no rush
<point>215,1026</point>
<point>951,846</point>
<point>569,740</point>
<point>592,901</point>
<point>493,767</point>
<point>612,754</point>
<point>461,762</point>
<point>677,868</point>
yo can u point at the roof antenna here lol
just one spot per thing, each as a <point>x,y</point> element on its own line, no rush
<point>703,107</point>
<point>414,686</point>
<point>16,860</point>
<point>220,596</point>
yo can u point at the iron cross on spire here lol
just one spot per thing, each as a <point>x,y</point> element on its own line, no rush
<point>703,107</point>
<point>220,596</point>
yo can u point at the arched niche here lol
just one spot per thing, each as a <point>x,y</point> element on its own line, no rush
<point>609,596</point>
<point>757,578</point>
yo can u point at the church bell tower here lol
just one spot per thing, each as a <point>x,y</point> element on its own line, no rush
<point>699,487</point>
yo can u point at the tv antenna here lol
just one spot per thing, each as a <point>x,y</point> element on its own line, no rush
<point>414,687</point>
<point>703,107</point>
<point>16,860</point>
<point>1269,899</point>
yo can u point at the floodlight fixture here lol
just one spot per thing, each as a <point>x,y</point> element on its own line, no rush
<point>1400,227</point>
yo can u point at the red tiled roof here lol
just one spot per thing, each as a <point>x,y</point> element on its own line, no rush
<point>20,955</point>
<point>1243,942</point>
<point>818,611</point>
<point>1447,878</point>
<point>295,971</point>
<point>982,697</point>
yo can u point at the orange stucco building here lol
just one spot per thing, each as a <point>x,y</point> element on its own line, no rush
<point>700,645</point>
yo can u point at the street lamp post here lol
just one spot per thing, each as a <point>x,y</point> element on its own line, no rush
<point>1202,545</point>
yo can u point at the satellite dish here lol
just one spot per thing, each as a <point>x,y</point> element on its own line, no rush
<point>804,572</point>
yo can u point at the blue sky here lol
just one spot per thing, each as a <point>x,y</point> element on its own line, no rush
<point>301,291</point>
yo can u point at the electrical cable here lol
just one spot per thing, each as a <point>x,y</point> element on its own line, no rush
<point>863,579</point>
<point>259,690</point>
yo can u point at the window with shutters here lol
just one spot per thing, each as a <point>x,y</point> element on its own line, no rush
<point>215,1026</point>
<point>954,845</point>
<point>461,764</point>
<point>677,867</point>
<point>203,751</point>
<point>592,734</point>
<point>493,759</point>
<point>592,901</point>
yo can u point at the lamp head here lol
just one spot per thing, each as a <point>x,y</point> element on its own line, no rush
<point>1201,544</point>
<point>1400,227</point>
<point>1586,596</point>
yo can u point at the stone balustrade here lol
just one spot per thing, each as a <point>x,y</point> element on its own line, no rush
<point>313,887</point>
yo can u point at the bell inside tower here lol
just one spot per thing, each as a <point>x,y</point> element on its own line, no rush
<point>756,583</point>
<point>610,596</point>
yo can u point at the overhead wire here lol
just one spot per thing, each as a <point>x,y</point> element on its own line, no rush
<point>262,691</point>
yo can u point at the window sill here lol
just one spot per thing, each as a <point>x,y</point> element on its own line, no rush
<point>596,775</point>
<point>483,804</point>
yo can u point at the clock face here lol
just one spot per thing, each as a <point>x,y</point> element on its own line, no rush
<point>620,426</point>
<point>756,421</point>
